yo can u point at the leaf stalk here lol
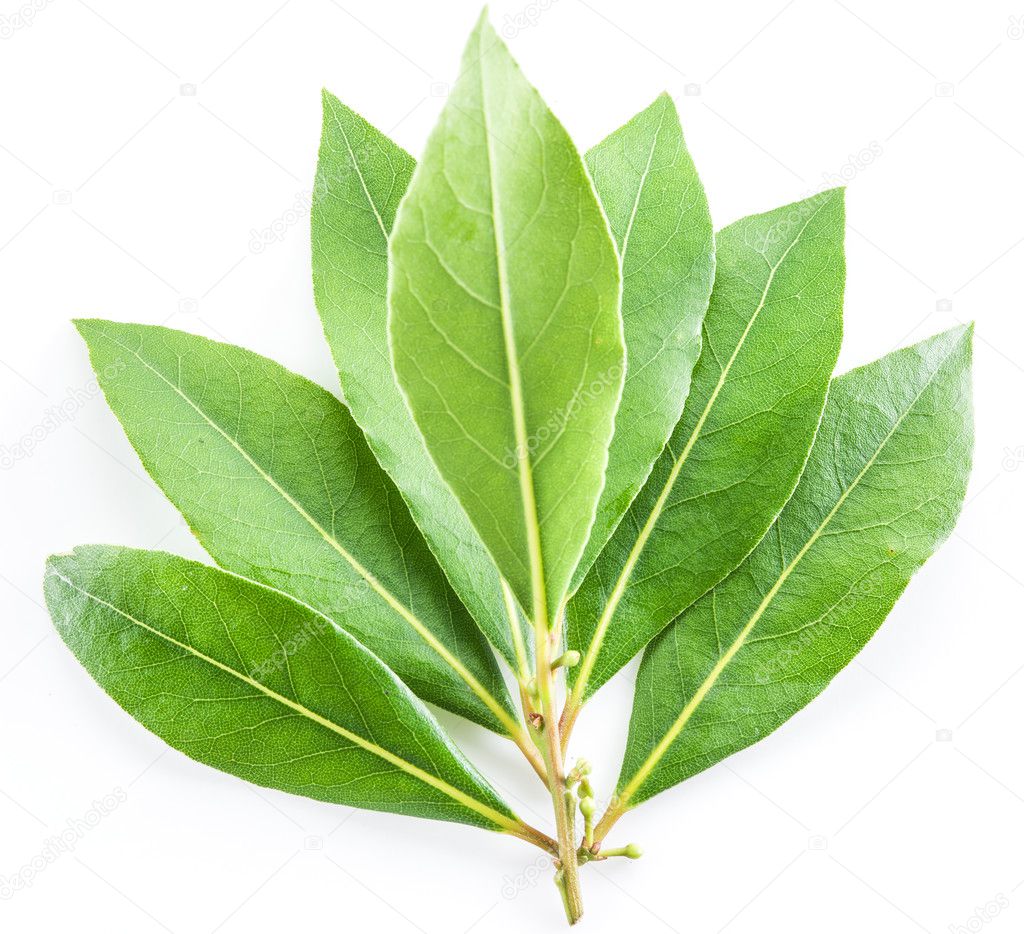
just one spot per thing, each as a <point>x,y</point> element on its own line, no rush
<point>604,825</point>
<point>564,801</point>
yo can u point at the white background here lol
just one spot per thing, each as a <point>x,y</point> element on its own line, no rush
<point>141,145</point>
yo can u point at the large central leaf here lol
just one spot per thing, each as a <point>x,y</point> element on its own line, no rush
<point>505,322</point>
<point>243,678</point>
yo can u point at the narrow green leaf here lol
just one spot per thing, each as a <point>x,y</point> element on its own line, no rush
<point>250,681</point>
<point>770,341</point>
<point>361,177</point>
<point>505,322</point>
<point>882,490</point>
<point>659,217</point>
<point>278,484</point>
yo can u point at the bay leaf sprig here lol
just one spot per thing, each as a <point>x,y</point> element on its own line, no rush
<point>576,425</point>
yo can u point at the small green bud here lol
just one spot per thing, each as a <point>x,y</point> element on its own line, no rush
<point>566,660</point>
<point>578,773</point>
<point>632,851</point>
<point>587,807</point>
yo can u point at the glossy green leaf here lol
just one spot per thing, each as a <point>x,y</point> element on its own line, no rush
<point>882,490</point>
<point>659,217</point>
<point>771,336</point>
<point>505,322</point>
<point>250,681</point>
<point>361,177</point>
<point>278,484</point>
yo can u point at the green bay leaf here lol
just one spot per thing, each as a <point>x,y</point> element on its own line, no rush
<point>242,677</point>
<point>658,213</point>
<point>882,490</point>
<point>771,336</point>
<point>360,179</point>
<point>277,482</point>
<point>505,324</point>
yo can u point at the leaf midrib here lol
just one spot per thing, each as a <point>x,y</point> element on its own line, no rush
<point>415,771</point>
<point>527,493</point>
<point>579,689</point>
<point>640,189</point>
<point>359,175</point>
<point>709,682</point>
<point>392,601</point>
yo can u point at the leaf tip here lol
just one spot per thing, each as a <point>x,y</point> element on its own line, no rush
<point>834,199</point>
<point>951,338</point>
<point>962,337</point>
<point>84,324</point>
<point>58,565</point>
<point>52,560</point>
<point>88,328</point>
<point>483,21</point>
<point>839,191</point>
<point>664,104</point>
<point>485,31</point>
